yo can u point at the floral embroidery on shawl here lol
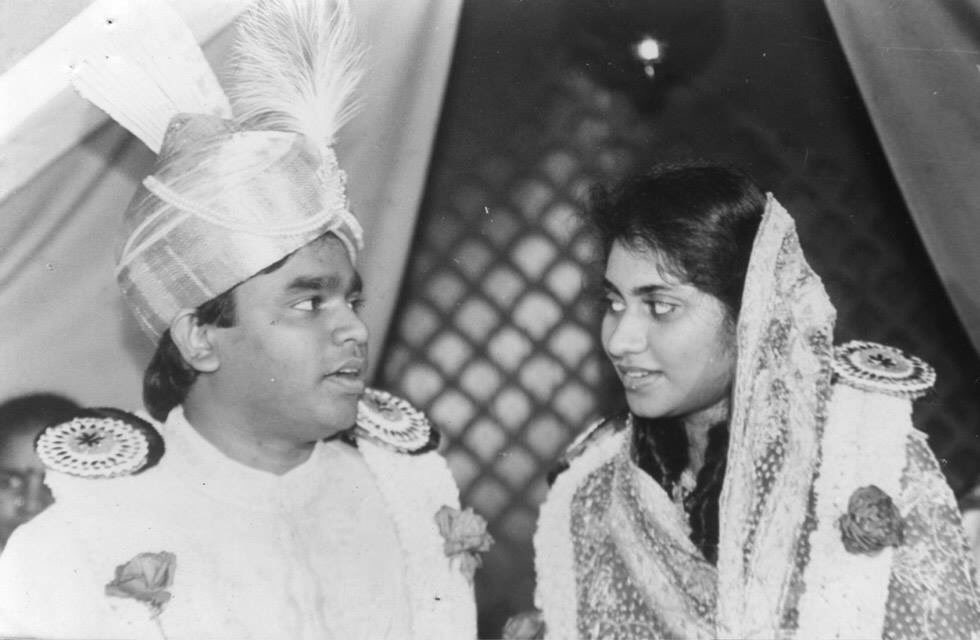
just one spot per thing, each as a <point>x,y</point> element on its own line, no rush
<point>782,386</point>
<point>637,573</point>
<point>933,590</point>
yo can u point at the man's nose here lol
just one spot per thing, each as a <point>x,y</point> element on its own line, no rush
<point>36,494</point>
<point>351,328</point>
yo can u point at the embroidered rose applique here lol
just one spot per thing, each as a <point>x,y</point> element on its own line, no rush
<point>466,537</point>
<point>872,522</point>
<point>145,578</point>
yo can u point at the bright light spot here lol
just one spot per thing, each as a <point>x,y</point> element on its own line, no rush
<point>648,49</point>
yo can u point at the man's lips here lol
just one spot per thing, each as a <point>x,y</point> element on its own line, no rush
<point>349,374</point>
<point>635,377</point>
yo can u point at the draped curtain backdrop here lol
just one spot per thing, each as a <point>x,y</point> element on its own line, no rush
<point>63,326</point>
<point>918,67</point>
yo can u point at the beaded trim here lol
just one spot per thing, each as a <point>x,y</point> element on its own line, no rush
<point>394,423</point>
<point>97,447</point>
<point>882,369</point>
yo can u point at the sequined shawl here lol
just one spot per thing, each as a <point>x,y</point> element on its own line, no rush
<point>613,555</point>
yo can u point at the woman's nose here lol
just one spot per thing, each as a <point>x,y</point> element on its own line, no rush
<point>627,336</point>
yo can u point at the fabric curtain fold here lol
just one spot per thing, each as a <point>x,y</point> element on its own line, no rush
<point>917,65</point>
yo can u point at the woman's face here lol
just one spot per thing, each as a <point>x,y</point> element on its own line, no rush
<point>672,344</point>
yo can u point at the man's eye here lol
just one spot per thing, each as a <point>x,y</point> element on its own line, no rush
<point>10,482</point>
<point>309,304</point>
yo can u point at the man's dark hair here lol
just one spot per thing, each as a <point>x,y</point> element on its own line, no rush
<point>34,411</point>
<point>168,377</point>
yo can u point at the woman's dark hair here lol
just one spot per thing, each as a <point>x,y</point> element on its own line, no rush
<point>701,220</point>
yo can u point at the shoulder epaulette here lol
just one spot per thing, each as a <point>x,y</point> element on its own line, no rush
<point>100,443</point>
<point>393,423</point>
<point>882,369</point>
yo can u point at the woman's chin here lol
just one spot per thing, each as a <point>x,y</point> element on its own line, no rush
<point>642,407</point>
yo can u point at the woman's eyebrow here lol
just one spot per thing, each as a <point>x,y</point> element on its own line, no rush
<point>641,290</point>
<point>650,288</point>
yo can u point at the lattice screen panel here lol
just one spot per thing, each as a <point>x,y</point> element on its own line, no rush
<point>495,341</point>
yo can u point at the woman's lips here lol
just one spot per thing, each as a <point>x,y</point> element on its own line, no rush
<point>635,378</point>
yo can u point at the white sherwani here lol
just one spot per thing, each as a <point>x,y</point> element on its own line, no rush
<point>343,546</point>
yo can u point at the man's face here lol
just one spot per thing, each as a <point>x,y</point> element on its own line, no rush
<point>22,493</point>
<point>293,365</point>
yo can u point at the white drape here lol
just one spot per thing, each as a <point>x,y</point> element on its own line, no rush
<point>918,67</point>
<point>63,326</point>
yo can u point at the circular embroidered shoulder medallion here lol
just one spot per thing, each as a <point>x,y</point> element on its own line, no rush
<point>882,369</point>
<point>394,423</point>
<point>98,447</point>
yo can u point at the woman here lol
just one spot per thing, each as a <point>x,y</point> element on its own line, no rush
<point>764,483</point>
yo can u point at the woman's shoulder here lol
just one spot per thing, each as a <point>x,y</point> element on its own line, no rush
<point>599,432</point>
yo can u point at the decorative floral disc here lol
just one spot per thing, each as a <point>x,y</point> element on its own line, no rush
<point>882,369</point>
<point>93,448</point>
<point>394,423</point>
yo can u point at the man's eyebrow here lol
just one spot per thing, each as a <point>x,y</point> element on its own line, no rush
<point>325,283</point>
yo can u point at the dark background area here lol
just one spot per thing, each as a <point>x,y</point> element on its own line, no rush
<point>545,99</point>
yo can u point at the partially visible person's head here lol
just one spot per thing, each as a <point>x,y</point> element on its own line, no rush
<point>22,494</point>
<point>677,242</point>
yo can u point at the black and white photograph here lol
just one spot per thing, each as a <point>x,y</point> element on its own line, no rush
<point>497,319</point>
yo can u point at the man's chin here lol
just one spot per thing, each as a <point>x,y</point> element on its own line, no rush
<point>337,419</point>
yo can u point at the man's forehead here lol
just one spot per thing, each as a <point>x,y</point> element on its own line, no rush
<point>324,282</point>
<point>323,264</point>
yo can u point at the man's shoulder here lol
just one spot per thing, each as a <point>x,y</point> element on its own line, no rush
<point>393,423</point>
<point>100,444</point>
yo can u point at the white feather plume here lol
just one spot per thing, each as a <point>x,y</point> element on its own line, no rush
<point>145,67</point>
<point>297,67</point>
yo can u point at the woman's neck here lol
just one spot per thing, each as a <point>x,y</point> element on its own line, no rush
<point>697,426</point>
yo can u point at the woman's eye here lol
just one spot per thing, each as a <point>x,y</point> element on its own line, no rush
<point>614,305</point>
<point>356,303</point>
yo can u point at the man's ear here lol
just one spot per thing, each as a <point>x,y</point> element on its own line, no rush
<point>195,341</point>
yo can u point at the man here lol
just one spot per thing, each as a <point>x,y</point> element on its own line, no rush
<point>22,494</point>
<point>268,515</point>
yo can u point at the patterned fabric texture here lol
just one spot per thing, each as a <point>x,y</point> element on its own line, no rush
<point>636,574</point>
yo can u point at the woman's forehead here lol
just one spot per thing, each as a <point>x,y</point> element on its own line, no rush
<point>641,266</point>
